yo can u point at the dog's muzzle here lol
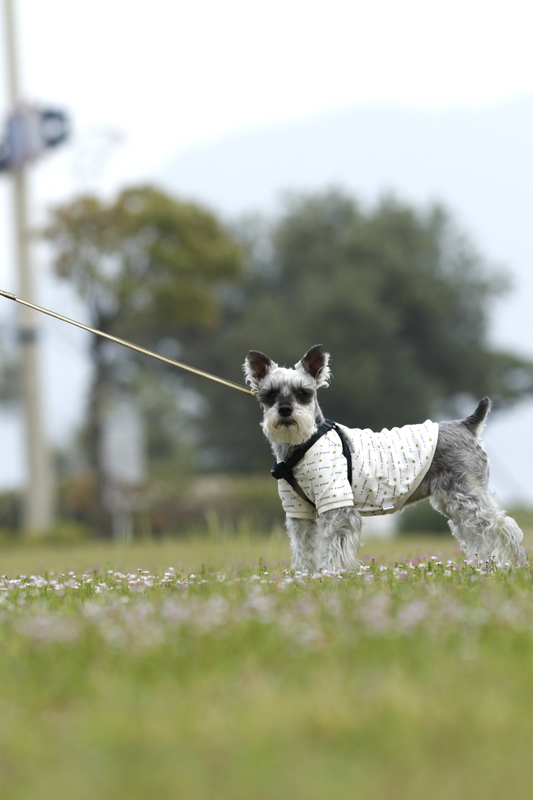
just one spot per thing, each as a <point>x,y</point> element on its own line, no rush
<point>285,412</point>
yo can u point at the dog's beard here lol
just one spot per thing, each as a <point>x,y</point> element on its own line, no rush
<point>293,430</point>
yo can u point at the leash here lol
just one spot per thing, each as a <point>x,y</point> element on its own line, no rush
<point>132,346</point>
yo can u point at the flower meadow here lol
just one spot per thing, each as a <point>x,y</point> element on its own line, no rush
<point>408,678</point>
<point>139,611</point>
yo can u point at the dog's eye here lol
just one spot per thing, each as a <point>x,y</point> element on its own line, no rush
<point>269,398</point>
<point>304,396</point>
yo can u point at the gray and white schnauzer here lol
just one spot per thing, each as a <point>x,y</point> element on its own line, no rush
<point>329,475</point>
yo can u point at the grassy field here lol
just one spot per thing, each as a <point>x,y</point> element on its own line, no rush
<point>203,668</point>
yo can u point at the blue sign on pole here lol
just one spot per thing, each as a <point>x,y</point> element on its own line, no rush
<point>31,131</point>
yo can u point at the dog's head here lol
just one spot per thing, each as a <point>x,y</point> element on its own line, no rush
<point>291,413</point>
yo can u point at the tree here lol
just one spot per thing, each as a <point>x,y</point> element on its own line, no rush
<point>147,267</point>
<point>398,296</point>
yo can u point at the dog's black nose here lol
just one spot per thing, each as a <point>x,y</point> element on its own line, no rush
<point>285,411</point>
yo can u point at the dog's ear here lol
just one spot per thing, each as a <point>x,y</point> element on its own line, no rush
<point>256,366</point>
<point>316,364</point>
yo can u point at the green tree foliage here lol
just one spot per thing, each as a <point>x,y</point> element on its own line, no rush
<point>145,262</point>
<point>399,297</point>
<point>147,266</point>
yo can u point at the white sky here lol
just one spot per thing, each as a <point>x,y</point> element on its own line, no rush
<point>144,81</point>
<point>168,75</point>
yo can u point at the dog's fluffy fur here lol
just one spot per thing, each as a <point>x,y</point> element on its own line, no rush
<point>456,483</point>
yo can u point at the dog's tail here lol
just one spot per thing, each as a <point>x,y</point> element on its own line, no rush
<point>476,421</point>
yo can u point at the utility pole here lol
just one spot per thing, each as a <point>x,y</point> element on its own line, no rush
<point>38,496</point>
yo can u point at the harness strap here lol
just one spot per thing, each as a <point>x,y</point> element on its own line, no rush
<point>347,453</point>
<point>283,469</point>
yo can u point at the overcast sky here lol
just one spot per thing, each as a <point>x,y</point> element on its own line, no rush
<point>145,81</point>
<point>168,75</point>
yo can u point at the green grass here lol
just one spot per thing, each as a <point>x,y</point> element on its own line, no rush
<point>244,682</point>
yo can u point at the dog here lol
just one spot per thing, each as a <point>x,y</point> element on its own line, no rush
<point>324,505</point>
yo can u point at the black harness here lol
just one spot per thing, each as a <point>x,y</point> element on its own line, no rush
<point>283,469</point>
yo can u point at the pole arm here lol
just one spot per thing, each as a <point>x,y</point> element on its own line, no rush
<point>131,346</point>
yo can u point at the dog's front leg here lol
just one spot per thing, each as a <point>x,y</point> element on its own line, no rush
<point>303,538</point>
<point>339,538</point>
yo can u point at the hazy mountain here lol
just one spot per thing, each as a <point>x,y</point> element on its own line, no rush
<point>477,161</point>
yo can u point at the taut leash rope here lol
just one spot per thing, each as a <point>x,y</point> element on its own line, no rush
<point>125,343</point>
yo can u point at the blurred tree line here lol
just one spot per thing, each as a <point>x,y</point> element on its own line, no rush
<point>398,295</point>
<point>147,267</point>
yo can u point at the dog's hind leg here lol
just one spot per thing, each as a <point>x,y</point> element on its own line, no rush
<point>458,484</point>
<point>481,526</point>
<point>339,539</point>
<point>303,538</point>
